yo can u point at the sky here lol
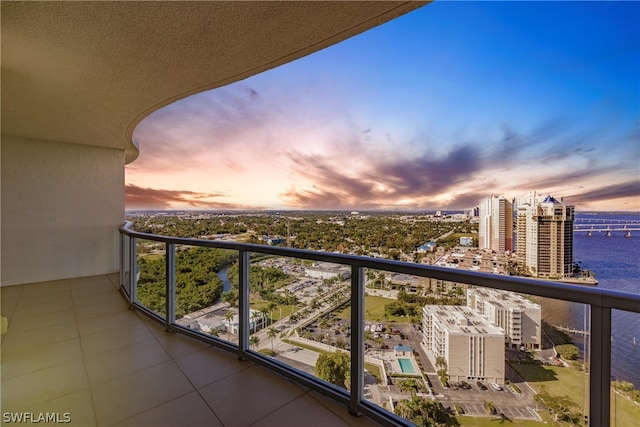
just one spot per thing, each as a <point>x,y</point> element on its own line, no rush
<point>434,110</point>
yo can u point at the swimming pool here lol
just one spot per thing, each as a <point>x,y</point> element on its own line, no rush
<point>406,366</point>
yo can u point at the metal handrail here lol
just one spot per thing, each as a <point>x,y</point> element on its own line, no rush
<point>601,302</point>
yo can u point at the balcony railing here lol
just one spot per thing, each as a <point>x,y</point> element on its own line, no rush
<point>600,301</point>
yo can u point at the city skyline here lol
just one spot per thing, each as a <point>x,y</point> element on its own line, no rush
<point>435,110</point>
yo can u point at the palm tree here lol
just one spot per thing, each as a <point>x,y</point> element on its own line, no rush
<point>272,333</point>
<point>272,305</point>
<point>254,341</point>
<point>228,317</point>
<point>410,385</point>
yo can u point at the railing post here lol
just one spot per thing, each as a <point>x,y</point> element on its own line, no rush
<point>122,260</point>
<point>357,338</point>
<point>243,304</point>
<point>170,300</point>
<point>600,367</point>
<point>133,274</point>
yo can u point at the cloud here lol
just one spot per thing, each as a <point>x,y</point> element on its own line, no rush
<point>609,192</point>
<point>158,199</point>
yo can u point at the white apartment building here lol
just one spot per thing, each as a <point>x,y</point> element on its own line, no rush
<point>472,347</point>
<point>496,224</point>
<point>545,236</point>
<point>517,316</point>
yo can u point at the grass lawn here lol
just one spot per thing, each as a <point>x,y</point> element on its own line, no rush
<point>560,381</point>
<point>286,309</point>
<point>374,311</point>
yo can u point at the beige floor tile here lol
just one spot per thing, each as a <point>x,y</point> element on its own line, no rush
<point>15,363</point>
<point>38,321</point>
<point>91,298</point>
<point>303,411</point>
<point>104,308</point>
<point>40,386</point>
<point>342,411</point>
<point>42,308</point>
<point>229,398</point>
<point>89,281</point>
<point>189,410</point>
<point>124,397</point>
<point>115,338</point>
<point>206,366</point>
<point>43,288</point>
<point>178,345</point>
<point>77,406</point>
<point>42,304</point>
<point>119,320</point>
<point>8,306</point>
<point>122,361</point>
<point>95,288</point>
<point>20,341</point>
<point>10,292</point>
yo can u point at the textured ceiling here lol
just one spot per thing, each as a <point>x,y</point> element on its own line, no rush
<point>88,72</point>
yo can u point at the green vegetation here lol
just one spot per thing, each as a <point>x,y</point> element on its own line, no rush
<point>334,368</point>
<point>197,283</point>
<point>424,412</point>
<point>562,407</point>
<point>568,351</point>
<point>393,235</point>
<point>626,389</point>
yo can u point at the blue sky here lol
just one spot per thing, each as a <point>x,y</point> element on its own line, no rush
<point>434,110</point>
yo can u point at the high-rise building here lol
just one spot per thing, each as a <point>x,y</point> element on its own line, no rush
<point>496,224</point>
<point>472,347</point>
<point>517,316</point>
<point>544,229</point>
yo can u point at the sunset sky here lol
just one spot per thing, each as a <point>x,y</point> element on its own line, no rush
<point>434,110</point>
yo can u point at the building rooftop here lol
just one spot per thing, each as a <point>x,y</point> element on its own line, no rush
<point>462,320</point>
<point>505,299</point>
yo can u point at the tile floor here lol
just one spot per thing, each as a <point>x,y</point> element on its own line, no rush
<point>73,346</point>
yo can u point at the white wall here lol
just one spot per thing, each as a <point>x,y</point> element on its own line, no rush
<point>61,207</point>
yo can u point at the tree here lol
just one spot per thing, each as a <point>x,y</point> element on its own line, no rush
<point>228,317</point>
<point>333,367</point>
<point>424,412</point>
<point>272,333</point>
<point>568,351</point>
<point>254,341</point>
<point>272,305</point>
<point>562,407</point>
<point>411,385</point>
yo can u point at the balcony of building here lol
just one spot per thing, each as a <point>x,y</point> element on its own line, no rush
<point>77,77</point>
<point>75,347</point>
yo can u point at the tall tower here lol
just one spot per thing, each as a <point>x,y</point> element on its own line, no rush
<point>496,224</point>
<point>545,236</point>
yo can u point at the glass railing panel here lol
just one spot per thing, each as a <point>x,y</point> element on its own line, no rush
<point>205,300</point>
<point>554,376</point>
<point>125,263</point>
<point>151,276</point>
<point>400,374</point>
<point>625,375</point>
<point>304,303</point>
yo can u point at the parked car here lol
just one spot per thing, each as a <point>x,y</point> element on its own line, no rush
<point>465,385</point>
<point>496,387</point>
<point>481,385</point>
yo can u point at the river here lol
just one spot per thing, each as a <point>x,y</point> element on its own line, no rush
<point>615,261</point>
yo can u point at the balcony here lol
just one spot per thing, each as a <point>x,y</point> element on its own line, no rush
<point>600,301</point>
<point>74,346</point>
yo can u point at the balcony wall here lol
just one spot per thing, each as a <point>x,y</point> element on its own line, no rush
<point>61,208</point>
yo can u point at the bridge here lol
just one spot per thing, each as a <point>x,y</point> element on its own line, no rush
<point>606,226</point>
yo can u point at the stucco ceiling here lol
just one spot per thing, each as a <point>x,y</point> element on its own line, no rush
<point>88,72</point>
